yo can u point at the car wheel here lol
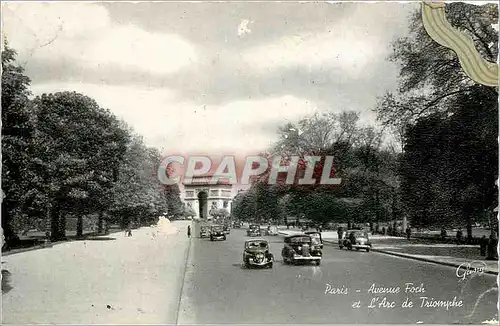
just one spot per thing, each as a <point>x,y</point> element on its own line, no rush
<point>318,262</point>
<point>224,238</point>
<point>341,247</point>
<point>367,249</point>
<point>247,264</point>
<point>270,265</point>
<point>357,249</point>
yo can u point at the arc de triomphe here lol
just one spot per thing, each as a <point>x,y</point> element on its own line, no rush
<point>203,197</point>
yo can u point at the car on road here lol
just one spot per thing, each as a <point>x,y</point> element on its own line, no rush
<point>355,239</point>
<point>254,230</point>
<point>272,230</point>
<point>257,253</point>
<point>316,238</point>
<point>217,233</point>
<point>301,248</point>
<point>227,228</point>
<point>237,224</point>
<point>204,231</point>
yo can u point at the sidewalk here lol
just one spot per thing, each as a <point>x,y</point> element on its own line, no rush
<point>107,280</point>
<point>445,254</point>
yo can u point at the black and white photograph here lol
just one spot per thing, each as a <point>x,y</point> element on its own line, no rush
<point>249,162</point>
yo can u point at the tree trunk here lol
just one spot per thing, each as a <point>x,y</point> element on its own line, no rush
<point>54,234</point>
<point>79,226</point>
<point>106,226</point>
<point>469,229</point>
<point>100,222</point>
<point>10,236</point>
<point>58,224</point>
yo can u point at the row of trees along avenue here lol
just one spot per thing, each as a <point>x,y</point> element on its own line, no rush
<point>443,171</point>
<point>65,156</point>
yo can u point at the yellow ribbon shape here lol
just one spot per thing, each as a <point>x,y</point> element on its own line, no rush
<point>441,31</point>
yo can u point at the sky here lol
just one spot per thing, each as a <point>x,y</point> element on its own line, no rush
<point>216,78</point>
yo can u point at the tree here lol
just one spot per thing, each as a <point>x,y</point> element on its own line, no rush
<point>456,157</point>
<point>440,115</point>
<point>79,149</point>
<point>17,128</point>
<point>244,205</point>
<point>431,77</point>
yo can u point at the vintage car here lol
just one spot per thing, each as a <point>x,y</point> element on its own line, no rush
<point>271,230</point>
<point>301,248</point>
<point>227,228</point>
<point>217,233</point>
<point>316,238</point>
<point>257,253</point>
<point>204,231</point>
<point>355,239</point>
<point>254,230</point>
<point>237,224</point>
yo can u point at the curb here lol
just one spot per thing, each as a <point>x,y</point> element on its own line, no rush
<point>397,254</point>
<point>19,251</point>
<point>181,295</point>
<point>392,253</point>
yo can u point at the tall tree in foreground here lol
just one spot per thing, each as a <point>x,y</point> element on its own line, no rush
<point>17,129</point>
<point>80,147</point>
<point>447,120</point>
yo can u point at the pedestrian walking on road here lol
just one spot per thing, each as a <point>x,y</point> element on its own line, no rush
<point>408,233</point>
<point>129,230</point>
<point>189,231</point>
<point>340,231</point>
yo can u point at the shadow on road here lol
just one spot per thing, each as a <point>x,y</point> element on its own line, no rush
<point>240,266</point>
<point>98,239</point>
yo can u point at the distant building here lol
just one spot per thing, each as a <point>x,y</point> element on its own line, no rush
<point>205,198</point>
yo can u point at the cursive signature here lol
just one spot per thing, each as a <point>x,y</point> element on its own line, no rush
<point>467,269</point>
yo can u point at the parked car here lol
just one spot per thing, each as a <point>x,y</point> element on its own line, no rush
<point>227,228</point>
<point>254,230</point>
<point>204,231</point>
<point>257,253</point>
<point>355,239</point>
<point>300,247</point>
<point>217,233</point>
<point>316,238</point>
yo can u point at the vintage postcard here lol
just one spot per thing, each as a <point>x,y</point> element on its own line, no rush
<point>249,162</point>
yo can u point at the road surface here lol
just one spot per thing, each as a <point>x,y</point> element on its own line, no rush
<point>218,289</point>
